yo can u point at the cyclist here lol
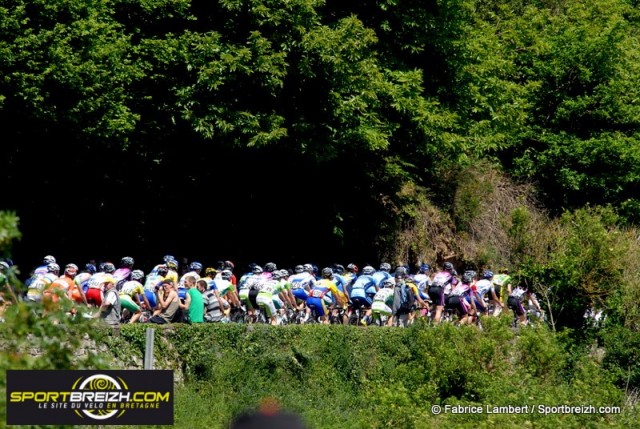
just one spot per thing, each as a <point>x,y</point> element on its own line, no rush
<point>43,269</point>
<point>153,283</point>
<point>132,296</point>
<point>269,269</point>
<point>286,294</point>
<point>249,289</point>
<point>382,273</point>
<point>96,283</point>
<point>459,301</point>
<point>441,285</point>
<point>225,288</point>
<point>515,300</point>
<point>350,275</point>
<point>363,291</point>
<point>123,273</point>
<point>422,280</point>
<point>382,302</point>
<point>41,282</point>
<point>481,288</point>
<point>267,294</point>
<point>82,278</point>
<point>228,265</point>
<point>302,281</point>
<point>323,294</point>
<point>502,282</point>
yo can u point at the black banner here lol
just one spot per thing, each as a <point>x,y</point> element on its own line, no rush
<point>88,397</point>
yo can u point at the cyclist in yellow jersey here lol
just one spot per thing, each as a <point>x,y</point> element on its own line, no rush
<point>132,296</point>
<point>323,294</point>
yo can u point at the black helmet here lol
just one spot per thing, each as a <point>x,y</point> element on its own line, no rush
<point>108,267</point>
<point>270,267</point>
<point>401,272</point>
<point>162,270</point>
<point>298,269</point>
<point>447,266</point>
<point>127,261</point>
<point>468,276</point>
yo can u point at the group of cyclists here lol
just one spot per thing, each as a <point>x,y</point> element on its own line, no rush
<point>303,294</point>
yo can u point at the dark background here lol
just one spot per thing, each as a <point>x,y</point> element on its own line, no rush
<point>191,200</point>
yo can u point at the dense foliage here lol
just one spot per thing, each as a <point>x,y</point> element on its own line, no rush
<point>337,376</point>
<point>343,105</point>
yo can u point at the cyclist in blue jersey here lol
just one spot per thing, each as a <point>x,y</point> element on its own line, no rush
<point>362,293</point>
<point>302,281</point>
<point>382,274</point>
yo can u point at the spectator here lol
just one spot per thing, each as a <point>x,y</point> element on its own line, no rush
<point>193,304</point>
<point>110,309</point>
<point>168,303</point>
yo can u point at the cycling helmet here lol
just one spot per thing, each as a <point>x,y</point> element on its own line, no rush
<point>385,266</point>
<point>337,268</point>
<point>49,259</point>
<point>447,266</point>
<point>172,264</point>
<point>257,269</point>
<point>424,268</point>
<point>327,273</point>
<point>210,271</point>
<point>226,274</point>
<point>162,270</point>
<point>468,276</point>
<point>368,270</point>
<point>137,275</point>
<point>270,267</point>
<point>52,267</point>
<point>390,282</point>
<point>298,269</point>
<point>229,265</point>
<point>127,261</point>
<point>90,268</point>
<point>195,266</point>
<point>71,269</point>
<point>487,274</point>
<point>308,268</point>
<point>284,273</point>
<point>4,266</point>
<point>108,267</point>
<point>276,275</point>
<point>167,258</point>
<point>401,272</point>
<point>352,267</point>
